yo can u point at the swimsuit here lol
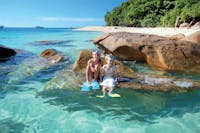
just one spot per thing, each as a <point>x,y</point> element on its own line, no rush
<point>93,64</point>
<point>108,82</point>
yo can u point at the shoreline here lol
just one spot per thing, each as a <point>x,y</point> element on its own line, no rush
<point>161,31</point>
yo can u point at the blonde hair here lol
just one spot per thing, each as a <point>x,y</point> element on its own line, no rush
<point>109,56</point>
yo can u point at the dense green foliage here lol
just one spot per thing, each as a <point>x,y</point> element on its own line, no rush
<point>153,13</point>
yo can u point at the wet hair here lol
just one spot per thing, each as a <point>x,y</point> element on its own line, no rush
<point>97,52</point>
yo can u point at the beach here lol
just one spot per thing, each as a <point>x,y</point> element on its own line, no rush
<point>161,31</point>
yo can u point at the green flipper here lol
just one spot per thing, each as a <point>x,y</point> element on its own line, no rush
<point>100,96</point>
<point>114,95</point>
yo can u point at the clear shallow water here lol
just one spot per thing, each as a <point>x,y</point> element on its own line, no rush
<point>25,106</point>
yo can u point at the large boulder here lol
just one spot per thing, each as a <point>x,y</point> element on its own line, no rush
<point>81,62</point>
<point>6,52</point>
<point>159,52</point>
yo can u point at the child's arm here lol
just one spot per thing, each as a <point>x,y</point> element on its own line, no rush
<point>87,71</point>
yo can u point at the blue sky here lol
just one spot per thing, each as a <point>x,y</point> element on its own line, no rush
<point>55,13</point>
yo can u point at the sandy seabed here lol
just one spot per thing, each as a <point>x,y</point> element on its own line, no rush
<point>161,31</point>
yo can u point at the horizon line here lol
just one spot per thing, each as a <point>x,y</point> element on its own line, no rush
<point>40,27</point>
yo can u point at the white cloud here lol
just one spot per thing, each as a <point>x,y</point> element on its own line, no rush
<point>67,19</point>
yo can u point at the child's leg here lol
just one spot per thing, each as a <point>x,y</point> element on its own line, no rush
<point>96,73</point>
<point>104,90</point>
<point>110,90</point>
<point>88,75</point>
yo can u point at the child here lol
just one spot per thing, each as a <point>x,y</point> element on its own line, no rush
<point>92,72</point>
<point>93,67</point>
<point>109,74</point>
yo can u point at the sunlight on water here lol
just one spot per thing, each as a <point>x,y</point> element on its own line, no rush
<point>27,104</point>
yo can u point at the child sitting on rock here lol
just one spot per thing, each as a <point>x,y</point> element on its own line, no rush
<point>93,67</point>
<point>109,75</point>
<point>92,72</point>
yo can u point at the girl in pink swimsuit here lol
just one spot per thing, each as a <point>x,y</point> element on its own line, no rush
<point>93,67</point>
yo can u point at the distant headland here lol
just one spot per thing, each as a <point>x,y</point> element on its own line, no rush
<point>1,26</point>
<point>39,27</point>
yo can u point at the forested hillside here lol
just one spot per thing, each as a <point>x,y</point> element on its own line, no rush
<point>152,13</point>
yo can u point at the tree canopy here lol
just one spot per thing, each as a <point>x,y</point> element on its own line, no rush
<point>153,13</point>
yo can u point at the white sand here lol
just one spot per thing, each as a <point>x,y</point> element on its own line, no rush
<point>156,31</point>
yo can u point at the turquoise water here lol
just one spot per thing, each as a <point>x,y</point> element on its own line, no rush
<point>26,106</point>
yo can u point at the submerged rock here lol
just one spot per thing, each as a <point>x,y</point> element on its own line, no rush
<point>160,83</point>
<point>30,66</point>
<point>65,79</point>
<point>52,42</point>
<point>27,68</point>
<point>159,52</point>
<point>52,55</point>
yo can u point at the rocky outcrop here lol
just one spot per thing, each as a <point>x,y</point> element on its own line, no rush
<point>159,52</point>
<point>6,52</point>
<point>52,55</point>
<point>72,80</point>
